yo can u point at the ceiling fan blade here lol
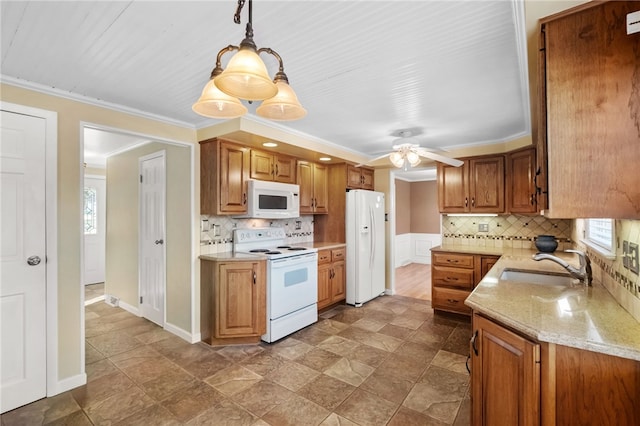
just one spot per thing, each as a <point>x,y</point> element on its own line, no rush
<point>373,159</point>
<point>440,158</point>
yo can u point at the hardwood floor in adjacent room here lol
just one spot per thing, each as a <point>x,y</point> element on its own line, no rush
<point>414,280</point>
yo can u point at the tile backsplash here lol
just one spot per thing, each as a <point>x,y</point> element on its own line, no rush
<point>623,284</point>
<point>511,231</point>
<point>220,238</point>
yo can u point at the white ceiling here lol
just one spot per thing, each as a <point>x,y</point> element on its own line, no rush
<point>453,71</point>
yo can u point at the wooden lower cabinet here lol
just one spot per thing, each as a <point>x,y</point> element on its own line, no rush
<point>233,301</point>
<point>332,275</point>
<point>453,277</point>
<point>518,381</point>
<point>505,376</point>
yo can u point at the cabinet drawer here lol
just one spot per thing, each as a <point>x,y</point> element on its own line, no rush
<point>452,277</point>
<point>324,256</point>
<point>451,259</point>
<point>337,254</point>
<point>451,300</point>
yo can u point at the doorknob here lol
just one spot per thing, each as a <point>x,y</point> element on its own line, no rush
<point>33,260</point>
<point>160,241</point>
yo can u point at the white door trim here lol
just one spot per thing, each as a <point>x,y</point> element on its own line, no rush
<point>51,210</point>
<point>158,154</point>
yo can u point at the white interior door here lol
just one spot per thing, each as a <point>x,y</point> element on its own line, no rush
<point>152,236</point>
<point>94,228</point>
<point>23,260</point>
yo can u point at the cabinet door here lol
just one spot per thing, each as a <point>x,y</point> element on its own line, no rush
<point>452,189</point>
<point>486,185</point>
<point>285,169</point>
<point>320,188</point>
<point>324,285</point>
<point>338,282</point>
<point>262,166</point>
<point>505,376</point>
<point>305,181</point>
<point>354,178</point>
<point>367,179</point>
<point>521,167</point>
<point>234,162</point>
<point>240,299</point>
<point>591,80</point>
<point>483,264</point>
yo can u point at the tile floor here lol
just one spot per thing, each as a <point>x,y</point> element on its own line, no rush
<point>390,362</point>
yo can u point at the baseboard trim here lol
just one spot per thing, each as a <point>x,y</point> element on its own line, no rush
<point>67,384</point>
<point>183,334</point>
<point>131,309</point>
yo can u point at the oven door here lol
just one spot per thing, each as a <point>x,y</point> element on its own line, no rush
<point>292,284</point>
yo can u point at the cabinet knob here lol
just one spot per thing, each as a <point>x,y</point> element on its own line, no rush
<point>255,277</point>
<point>453,301</point>
<point>473,201</point>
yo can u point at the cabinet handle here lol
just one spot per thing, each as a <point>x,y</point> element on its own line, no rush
<point>453,301</point>
<point>244,198</point>
<point>466,364</point>
<point>466,201</point>
<point>277,170</point>
<point>255,277</point>
<point>533,199</point>
<point>452,260</point>
<point>473,343</point>
<point>451,279</point>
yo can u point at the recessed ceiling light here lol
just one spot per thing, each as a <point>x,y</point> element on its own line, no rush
<point>325,158</point>
<point>270,144</point>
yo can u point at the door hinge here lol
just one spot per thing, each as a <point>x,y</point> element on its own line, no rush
<point>141,300</point>
<point>140,178</point>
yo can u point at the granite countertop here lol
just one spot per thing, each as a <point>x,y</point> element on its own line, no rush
<point>322,246</point>
<point>575,316</point>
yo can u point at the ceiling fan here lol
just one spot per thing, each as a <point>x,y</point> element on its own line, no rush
<point>406,153</point>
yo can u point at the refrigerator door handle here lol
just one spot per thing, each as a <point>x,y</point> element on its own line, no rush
<point>372,251</point>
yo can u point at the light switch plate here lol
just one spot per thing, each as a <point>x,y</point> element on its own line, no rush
<point>483,227</point>
<point>633,22</point>
<point>625,254</point>
<point>633,258</point>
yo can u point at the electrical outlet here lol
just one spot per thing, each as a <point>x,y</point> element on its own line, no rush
<point>483,227</point>
<point>625,254</point>
<point>633,258</point>
<point>216,230</point>
<point>204,225</point>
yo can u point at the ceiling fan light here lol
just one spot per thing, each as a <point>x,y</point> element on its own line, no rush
<point>396,159</point>
<point>413,158</point>
<point>246,77</point>
<point>213,103</point>
<point>282,107</point>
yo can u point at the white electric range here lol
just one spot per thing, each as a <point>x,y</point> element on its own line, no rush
<point>292,279</point>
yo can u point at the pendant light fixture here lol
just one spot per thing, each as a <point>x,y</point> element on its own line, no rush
<point>246,78</point>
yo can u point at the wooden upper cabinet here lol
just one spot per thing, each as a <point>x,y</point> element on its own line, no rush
<point>224,169</point>
<point>521,181</point>
<point>475,187</point>
<point>359,177</point>
<point>314,189</point>
<point>590,79</point>
<point>275,167</point>
<point>505,376</point>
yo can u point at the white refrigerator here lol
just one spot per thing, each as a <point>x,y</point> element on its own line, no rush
<point>365,246</point>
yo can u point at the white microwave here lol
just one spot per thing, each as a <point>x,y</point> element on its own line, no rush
<point>272,200</point>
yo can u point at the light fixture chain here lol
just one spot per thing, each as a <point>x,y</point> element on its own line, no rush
<point>236,16</point>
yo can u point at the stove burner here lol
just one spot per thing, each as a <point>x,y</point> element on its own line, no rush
<point>296,248</point>
<point>259,251</point>
<point>284,247</point>
<point>273,252</point>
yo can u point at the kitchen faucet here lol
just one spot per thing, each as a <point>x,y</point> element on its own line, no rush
<point>583,273</point>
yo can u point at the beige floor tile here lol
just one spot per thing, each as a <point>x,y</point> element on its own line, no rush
<point>118,406</point>
<point>192,400</point>
<point>155,415</point>
<point>262,397</point>
<point>101,389</point>
<point>450,361</point>
<point>43,411</point>
<point>292,375</point>
<point>349,371</point>
<point>390,388</point>
<point>113,343</point>
<point>296,411</point>
<point>226,413</point>
<point>367,409</point>
<point>339,345</point>
<point>234,379</point>
<point>326,391</point>
<point>291,348</point>
<point>336,420</point>
<point>318,359</point>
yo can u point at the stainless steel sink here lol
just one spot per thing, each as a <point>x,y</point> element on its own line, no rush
<point>537,277</point>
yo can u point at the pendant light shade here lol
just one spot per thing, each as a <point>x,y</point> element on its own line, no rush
<point>282,107</point>
<point>246,77</point>
<point>214,103</point>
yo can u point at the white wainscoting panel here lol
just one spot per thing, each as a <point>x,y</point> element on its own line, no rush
<point>415,248</point>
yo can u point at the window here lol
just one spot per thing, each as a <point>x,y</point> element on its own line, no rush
<point>90,211</point>
<point>600,232</point>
